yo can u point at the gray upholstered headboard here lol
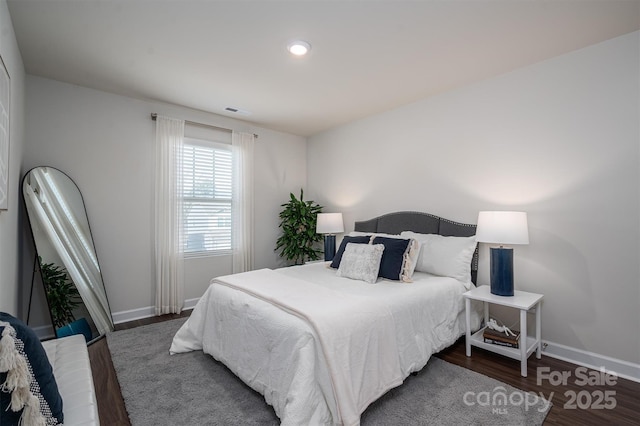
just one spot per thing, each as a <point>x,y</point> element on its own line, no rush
<point>423,223</point>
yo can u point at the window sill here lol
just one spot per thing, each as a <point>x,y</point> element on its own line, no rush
<point>200,254</point>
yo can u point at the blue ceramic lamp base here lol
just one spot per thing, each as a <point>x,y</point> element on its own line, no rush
<point>329,247</point>
<point>502,271</point>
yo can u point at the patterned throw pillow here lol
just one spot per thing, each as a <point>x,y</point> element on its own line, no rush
<point>396,254</point>
<point>410,257</point>
<point>28,390</point>
<point>361,262</point>
<point>361,239</point>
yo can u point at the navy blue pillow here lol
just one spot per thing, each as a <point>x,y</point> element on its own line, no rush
<point>392,257</point>
<point>356,240</point>
<point>28,345</point>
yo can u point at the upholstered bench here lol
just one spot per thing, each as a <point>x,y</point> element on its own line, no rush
<point>44,382</point>
<point>69,359</point>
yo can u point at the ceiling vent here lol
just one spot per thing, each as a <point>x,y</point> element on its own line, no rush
<point>237,111</point>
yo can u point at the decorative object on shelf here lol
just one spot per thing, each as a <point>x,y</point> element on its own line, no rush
<point>502,339</point>
<point>329,224</point>
<point>298,223</point>
<point>503,329</point>
<point>500,335</point>
<point>502,227</point>
<point>509,344</point>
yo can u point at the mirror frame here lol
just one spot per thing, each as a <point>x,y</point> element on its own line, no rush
<point>89,272</point>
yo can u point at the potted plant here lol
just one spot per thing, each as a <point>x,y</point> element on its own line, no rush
<point>63,298</point>
<point>297,243</point>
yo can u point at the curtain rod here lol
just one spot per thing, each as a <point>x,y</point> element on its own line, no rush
<point>154,116</point>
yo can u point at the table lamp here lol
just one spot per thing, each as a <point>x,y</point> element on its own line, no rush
<point>329,224</point>
<point>502,227</point>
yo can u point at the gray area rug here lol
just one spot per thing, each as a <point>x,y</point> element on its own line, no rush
<point>195,389</point>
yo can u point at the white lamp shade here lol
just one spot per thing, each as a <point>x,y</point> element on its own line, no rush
<point>502,228</point>
<point>329,223</point>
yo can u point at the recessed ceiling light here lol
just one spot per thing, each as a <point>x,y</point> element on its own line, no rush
<point>298,48</point>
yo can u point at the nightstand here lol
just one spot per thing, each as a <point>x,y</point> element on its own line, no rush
<point>524,301</point>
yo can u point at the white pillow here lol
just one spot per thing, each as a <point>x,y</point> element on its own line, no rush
<point>445,256</point>
<point>361,262</point>
<point>375,234</point>
<point>411,258</point>
<point>359,234</point>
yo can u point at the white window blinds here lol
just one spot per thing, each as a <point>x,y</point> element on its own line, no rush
<point>207,193</point>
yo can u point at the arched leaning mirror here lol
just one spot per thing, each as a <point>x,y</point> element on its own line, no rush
<point>66,254</point>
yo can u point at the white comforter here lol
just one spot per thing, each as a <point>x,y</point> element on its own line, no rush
<point>323,359</point>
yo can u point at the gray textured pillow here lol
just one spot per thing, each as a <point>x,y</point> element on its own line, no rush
<point>361,262</point>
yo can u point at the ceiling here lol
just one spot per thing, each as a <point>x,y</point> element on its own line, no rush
<point>366,56</point>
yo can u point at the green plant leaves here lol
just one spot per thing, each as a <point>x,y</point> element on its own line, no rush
<point>62,294</point>
<point>298,223</point>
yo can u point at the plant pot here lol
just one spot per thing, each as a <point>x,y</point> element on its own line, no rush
<point>79,326</point>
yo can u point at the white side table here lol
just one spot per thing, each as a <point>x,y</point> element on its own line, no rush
<point>524,301</point>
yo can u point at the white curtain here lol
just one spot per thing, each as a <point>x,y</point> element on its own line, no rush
<point>75,248</point>
<point>169,236</point>
<point>242,208</point>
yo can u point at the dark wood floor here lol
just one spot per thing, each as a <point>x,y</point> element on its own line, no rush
<point>565,410</point>
<point>625,394</point>
<point>111,408</point>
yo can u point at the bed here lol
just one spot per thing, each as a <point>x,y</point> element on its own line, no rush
<point>320,346</point>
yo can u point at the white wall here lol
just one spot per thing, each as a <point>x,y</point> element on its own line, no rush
<point>10,219</point>
<point>105,143</point>
<point>559,140</point>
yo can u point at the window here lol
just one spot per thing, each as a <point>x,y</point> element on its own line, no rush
<point>206,191</point>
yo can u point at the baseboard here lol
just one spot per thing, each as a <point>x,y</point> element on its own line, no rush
<point>45,332</point>
<point>149,311</point>
<point>191,303</point>
<point>624,369</point>
<point>133,314</point>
